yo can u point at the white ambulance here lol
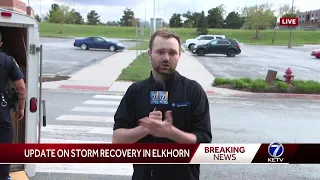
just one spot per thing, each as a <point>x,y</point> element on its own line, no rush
<point>20,37</point>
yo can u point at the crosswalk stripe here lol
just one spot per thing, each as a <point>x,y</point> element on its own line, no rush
<point>94,109</point>
<point>66,141</point>
<point>94,102</point>
<point>78,129</point>
<point>108,97</point>
<point>85,118</point>
<point>86,168</point>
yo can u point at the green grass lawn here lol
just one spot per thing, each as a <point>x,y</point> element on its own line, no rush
<point>244,36</point>
<point>141,46</point>
<point>138,70</point>
<point>259,85</point>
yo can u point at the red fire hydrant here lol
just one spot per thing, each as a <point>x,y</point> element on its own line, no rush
<point>288,76</point>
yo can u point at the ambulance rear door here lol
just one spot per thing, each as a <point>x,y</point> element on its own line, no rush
<point>23,30</point>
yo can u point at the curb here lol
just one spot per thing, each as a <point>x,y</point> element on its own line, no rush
<point>81,87</point>
<point>277,95</point>
<point>96,88</point>
<point>105,89</point>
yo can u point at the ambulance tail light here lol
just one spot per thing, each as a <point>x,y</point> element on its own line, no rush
<point>6,14</point>
<point>33,105</point>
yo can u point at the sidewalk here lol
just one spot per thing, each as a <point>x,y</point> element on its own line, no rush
<point>103,75</point>
<point>99,76</point>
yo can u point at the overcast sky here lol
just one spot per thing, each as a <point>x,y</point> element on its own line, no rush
<point>112,10</point>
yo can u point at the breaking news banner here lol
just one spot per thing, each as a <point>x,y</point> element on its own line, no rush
<point>160,153</point>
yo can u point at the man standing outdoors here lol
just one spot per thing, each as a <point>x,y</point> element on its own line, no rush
<point>9,70</point>
<point>186,118</point>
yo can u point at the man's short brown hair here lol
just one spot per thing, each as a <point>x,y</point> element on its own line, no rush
<point>165,33</point>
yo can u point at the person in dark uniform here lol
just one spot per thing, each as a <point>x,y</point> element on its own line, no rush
<point>9,70</point>
<point>186,118</point>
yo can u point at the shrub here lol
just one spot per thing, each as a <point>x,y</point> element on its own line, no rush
<point>258,85</point>
<point>221,81</point>
<point>309,87</point>
<point>240,84</point>
<point>282,86</point>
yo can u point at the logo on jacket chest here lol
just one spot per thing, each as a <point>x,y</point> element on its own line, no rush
<point>180,104</point>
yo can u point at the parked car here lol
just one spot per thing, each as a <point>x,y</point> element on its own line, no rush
<point>229,47</point>
<point>202,39</point>
<point>316,53</point>
<point>98,42</point>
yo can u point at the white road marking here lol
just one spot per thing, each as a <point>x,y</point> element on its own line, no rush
<point>108,97</point>
<point>77,129</point>
<point>94,102</point>
<point>66,141</point>
<point>86,168</point>
<point>94,109</point>
<point>85,118</point>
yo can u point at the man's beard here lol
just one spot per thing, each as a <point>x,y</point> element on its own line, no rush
<point>168,71</point>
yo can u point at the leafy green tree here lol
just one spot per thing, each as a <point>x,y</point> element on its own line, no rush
<point>215,17</point>
<point>77,18</point>
<point>234,20</point>
<point>113,23</point>
<point>52,15</point>
<point>175,21</point>
<point>93,18</point>
<point>188,23</point>
<point>63,15</point>
<point>286,10</point>
<point>128,18</point>
<point>191,19</point>
<point>258,17</point>
<point>202,24</point>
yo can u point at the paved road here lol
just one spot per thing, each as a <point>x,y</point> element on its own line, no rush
<point>60,57</point>
<point>255,61</point>
<point>87,117</point>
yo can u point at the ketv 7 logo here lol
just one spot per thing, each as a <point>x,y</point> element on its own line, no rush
<point>289,21</point>
<point>275,150</point>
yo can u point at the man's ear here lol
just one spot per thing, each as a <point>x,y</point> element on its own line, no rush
<point>149,53</point>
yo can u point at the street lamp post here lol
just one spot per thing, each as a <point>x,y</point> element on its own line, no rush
<point>290,43</point>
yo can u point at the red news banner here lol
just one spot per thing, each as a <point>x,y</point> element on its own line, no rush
<point>160,153</point>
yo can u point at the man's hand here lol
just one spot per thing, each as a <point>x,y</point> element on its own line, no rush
<point>19,114</point>
<point>158,128</point>
<point>156,115</point>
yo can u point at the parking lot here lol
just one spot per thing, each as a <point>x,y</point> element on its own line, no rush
<point>255,61</point>
<point>62,58</point>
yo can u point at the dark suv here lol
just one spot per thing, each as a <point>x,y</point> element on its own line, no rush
<point>229,47</point>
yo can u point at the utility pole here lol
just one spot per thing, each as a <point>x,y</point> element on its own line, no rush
<point>145,20</point>
<point>154,15</point>
<point>290,42</point>
<point>40,12</point>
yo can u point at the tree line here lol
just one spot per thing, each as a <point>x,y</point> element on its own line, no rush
<point>255,17</point>
<point>63,14</point>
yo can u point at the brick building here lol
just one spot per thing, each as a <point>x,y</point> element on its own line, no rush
<point>16,5</point>
<point>309,18</point>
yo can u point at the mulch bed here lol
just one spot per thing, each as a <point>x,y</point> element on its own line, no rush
<point>272,89</point>
<point>56,78</point>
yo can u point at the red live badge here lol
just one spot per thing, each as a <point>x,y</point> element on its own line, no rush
<point>289,21</point>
